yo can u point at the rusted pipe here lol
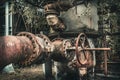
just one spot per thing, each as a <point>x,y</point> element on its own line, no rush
<point>36,52</point>
<point>97,49</point>
<point>23,49</point>
<point>91,49</point>
<point>14,49</point>
<point>59,53</point>
<point>105,63</point>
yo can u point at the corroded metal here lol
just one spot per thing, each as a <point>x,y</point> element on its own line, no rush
<point>23,49</point>
<point>36,48</point>
<point>27,48</point>
<point>60,52</point>
<point>83,57</point>
<point>45,43</point>
<point>82,45</point>
<point>63,47</point>
<point>91,49</point>
<point>14,49</point>
<point>57,54</point>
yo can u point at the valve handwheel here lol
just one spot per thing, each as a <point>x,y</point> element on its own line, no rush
<point>82,55</point>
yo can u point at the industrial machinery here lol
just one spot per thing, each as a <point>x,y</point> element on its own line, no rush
<point>73,26</point>
<point>26,48</point>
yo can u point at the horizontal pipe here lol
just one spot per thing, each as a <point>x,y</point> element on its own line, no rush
<point>90,49</point>
<point>96,49</point>
<point>23,49</point>
<point>14,49</point>
<point>108,76</point>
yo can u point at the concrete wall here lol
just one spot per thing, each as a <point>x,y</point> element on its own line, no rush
<point>81,16</point>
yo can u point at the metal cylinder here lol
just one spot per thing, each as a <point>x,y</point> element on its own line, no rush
<point>24,49</point>
<point>14,49</point>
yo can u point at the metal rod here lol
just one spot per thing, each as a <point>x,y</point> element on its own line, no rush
<point>105,62</point>
<point>95,49</point>
<point>91,49</point>
<point>108,76</point>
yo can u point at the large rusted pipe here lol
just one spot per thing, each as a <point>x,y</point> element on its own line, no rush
<point>23,49</point>
<point>14,49</point>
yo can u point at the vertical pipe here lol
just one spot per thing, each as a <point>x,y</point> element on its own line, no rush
<point>6,18</point>
<point>105,62</point>
<point>55,70</point>
<point>105,55</point>
<point>10,23</point>
<point>48,69</point>
<point>43,68</point>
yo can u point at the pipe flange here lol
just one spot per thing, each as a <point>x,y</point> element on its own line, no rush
<point>48,46</point>
<point>69,55</point>
<point>36,49</point>
<point>57,42</point>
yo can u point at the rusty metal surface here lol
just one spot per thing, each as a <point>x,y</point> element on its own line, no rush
<point>84,58</point>
<point>57,53</point>
<point>14,49</point>
<point>24,49</point>
<point>27,48</point>
<point>45,42</point>
<point>36,51</point>
<point>90,49</point>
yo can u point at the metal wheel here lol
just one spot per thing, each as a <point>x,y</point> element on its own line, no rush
<point>81,43</point>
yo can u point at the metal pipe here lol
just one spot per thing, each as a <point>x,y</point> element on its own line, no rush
<point>105,63</point>
<point>6,18</point>
<point>14,49</point>
<point>11,23</point>
<point>95,49</point>
<point>91,49</point>
<point>23,49</point>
